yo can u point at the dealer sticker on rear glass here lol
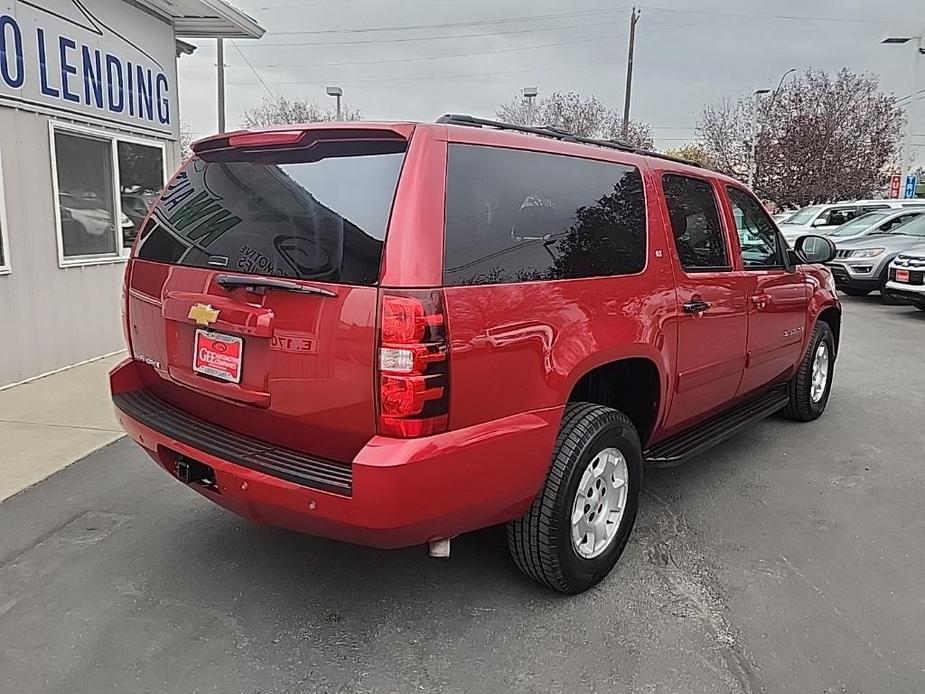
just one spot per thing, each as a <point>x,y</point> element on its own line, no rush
<point>218,355</point>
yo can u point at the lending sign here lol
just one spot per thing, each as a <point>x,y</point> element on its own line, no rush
<point>103,58</point>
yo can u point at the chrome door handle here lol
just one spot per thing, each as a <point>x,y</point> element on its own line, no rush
<point>696,306</point>
<point>761,301</point>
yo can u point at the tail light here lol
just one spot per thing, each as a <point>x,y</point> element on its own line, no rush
<point>413,364</point>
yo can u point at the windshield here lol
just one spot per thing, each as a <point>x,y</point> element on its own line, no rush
<point>319,213</point>
<point>802,216</point>
<point>916,227</point>
<point>860,224</point>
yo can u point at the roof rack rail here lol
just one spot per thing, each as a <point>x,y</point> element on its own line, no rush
<point>557,134</point>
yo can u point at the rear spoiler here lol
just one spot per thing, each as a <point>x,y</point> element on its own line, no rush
<point>302,136</point>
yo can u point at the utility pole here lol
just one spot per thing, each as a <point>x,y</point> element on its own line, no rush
<point>752,159</point>
<point>220,75</point>
<point>634,17</point>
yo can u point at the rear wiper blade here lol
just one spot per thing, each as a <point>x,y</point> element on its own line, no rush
<point>235,281</point>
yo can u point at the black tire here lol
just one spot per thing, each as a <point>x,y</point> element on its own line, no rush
<point>854,292</point>
<point>540,542</point>
<point>802,407</point>
<point>920,307</point>
<point>884,296</point>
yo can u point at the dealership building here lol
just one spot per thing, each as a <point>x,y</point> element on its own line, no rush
<point>89,130</point>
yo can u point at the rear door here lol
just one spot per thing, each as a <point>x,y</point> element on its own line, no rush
<point>252,291</point>
<point>711,296</point>
<point>777,296</point>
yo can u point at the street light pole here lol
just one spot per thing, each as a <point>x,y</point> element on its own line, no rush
<point>220,78</point>
<point>752,162</point>
<point>634,17</point>
<point>907,155</point>
<point>529,95</point>
<point>337,93</point>
<point>910,126</point>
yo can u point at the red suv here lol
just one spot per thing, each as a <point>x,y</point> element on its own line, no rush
<point>394,333</point>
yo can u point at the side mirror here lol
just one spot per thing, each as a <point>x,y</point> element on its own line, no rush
<point>812,249</point>
<point>820,222</point>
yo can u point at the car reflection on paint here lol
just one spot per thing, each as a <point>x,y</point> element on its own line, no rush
<point>86,223</point>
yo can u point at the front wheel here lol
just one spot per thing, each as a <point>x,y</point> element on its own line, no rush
<point>578,525</point>
<point>810,387</point>
<point>854,292</point>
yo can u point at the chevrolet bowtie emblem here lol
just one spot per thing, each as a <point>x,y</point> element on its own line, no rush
<point>203,314</point>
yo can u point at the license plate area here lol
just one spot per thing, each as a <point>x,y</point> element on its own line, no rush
<point>902,275</point>
<point>218,355</point>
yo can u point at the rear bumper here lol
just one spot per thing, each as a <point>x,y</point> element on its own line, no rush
<point>403,492</point>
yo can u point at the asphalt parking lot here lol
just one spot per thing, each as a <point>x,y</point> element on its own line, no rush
<point>786,560</point>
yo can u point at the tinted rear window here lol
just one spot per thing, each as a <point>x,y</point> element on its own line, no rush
<point>517,216</point>
<point>318,213</point>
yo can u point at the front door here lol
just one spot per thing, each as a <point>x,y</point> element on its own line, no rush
<point>712,304</point>
<point>777,296</point>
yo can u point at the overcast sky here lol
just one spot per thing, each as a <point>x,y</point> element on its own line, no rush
<point>687,53</point>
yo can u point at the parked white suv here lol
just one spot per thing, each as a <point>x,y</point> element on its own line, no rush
<point>907,278</point>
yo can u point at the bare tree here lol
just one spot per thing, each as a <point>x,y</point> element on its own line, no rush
<point>694,153</point>
<point>283,110</point>
<point>822,137</point>
<point>584,116</point>
<point>186,140</point>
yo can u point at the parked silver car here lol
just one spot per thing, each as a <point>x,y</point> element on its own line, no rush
<point>861,265</point>
<point>906,282</point>
<point>873,223</point>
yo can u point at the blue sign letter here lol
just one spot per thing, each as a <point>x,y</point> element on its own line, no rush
<point>64,45</point>
<point>144,85</point>
<point>114,78</point>
<point>14,81</point>
<point>163,100</point>
<point>47,89</point>
<point>93,77</point>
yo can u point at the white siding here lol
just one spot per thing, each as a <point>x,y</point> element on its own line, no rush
<point>50,317</point>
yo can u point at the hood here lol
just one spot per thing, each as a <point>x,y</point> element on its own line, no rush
<point>917,251</point>
<point>891,242</point>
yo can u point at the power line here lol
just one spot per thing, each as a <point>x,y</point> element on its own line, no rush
<point>799,18</point>
<point>449,25</point>
<point>442,77</point>
<point>609,37</point>
<point>302,44</point>
<point>254,70</point>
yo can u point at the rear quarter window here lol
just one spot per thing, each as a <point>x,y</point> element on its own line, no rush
<point>318,213</point>
<point>520,216</point>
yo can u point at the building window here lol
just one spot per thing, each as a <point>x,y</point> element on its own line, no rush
<point>86,204</point>
<point>4,233</point>
<point>141,177</point>
<point>104,186</point>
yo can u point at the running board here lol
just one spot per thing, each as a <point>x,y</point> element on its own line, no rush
<point>688,444</point>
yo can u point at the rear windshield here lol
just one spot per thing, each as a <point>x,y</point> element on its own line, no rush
<point>318,213</point>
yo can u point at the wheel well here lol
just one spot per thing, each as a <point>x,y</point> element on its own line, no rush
<point>832,316</point>
<point>628,385</point>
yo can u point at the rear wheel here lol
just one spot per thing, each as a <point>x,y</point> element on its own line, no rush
<point>810,387</point>
<point>580,522</point>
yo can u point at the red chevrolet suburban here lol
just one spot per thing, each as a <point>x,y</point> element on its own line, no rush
<point>394,333</point>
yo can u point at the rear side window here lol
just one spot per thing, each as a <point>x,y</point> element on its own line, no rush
<point>694,215</point>
<point>317,213</point>
<point>518,216</point>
